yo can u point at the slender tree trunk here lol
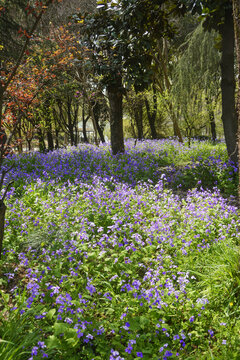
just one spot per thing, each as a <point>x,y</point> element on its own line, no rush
<point>100,131</point>
<point>84,123</point>
<point>115,97</point>
<point>19,141</point>
<point>56,138</point>
<point>76,133</point>
<point>70,122</point>
<point>152,114</point>
<point>229,117</point>
<point>71,133</point>
<point>176,129</point>
<point>50,139</point>
<point>212,120</point>
<point>3,136</point>
<point>29,144</point>
<point>41,142</point>
<point>138,114</point>
<point>2,222</point>
<point>48,123</point>
<point>56,130</point>
<point>236,19</point>
<point>97,112</point>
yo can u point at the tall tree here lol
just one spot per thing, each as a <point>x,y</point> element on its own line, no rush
<point>217,14</point>
<point>236,19</point>
<point>121,35</point>
<point>8,75</point>
<point>196,82</point>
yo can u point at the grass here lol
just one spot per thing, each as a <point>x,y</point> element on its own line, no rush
<point>103,260</point>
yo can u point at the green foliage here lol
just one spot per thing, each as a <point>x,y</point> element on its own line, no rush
<point>122,36</point>
<point>196,80</point>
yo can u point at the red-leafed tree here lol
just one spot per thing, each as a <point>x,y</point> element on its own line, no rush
<point>9,79</point>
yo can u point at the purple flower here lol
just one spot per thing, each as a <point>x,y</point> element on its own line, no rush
<point>41,344</point>
<point>211,332</point>
<point>91,288</point>
<point>128,349</point>
<point>34,350</point>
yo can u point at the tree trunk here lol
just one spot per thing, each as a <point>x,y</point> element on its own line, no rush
<point>229,117</point>
<point>29,144</point>
<point>48,123</point>
<point>56,130</point>
<point>236,19</point>
<point>97,111</point>
<point>50,139</point>
<point>19,142</point>
<point>41,143</point>
<point>84,127</point>
<point>56,139</point>
<point>71,133</point>
<point>152,114</point>
<point>176,129</point>
<point>115,97</point>
<point>212,120</point>
<point>3,136</point>
<point>70,122</point>
<point>138,114</point>
<point>2,222</point>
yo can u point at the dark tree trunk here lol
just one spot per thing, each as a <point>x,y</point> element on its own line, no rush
<point>100,131</point>
<point>76,133</point>
<point>3,138</point>
<point>56,138</point>
<point>115,96</point>
<point>229,117</point>
<point>236,18</point>
<point>152,114</point>
<point>97,113</point>
<point>49,125</point>
<point>2,222</point>
<point>29,144</point>
<point>71,133</point>
<point>56,129</point>
<point>84,125</point>
<point>69,122</point>
<point>50,140</point>
<point>75,124</point>
<point>41,142</point>
<point>212,120</point>
<point>138,114</point>
<point>151,119</point>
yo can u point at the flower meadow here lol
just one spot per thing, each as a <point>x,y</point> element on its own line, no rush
<point>128,257</point>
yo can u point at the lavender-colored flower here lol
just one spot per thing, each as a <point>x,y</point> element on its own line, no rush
<point>34,350</point>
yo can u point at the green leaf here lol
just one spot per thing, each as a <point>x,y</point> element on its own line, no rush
<point>53,342</point>
<point>60,328</point>
<point>72,341</point>
<point>50,314</point>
